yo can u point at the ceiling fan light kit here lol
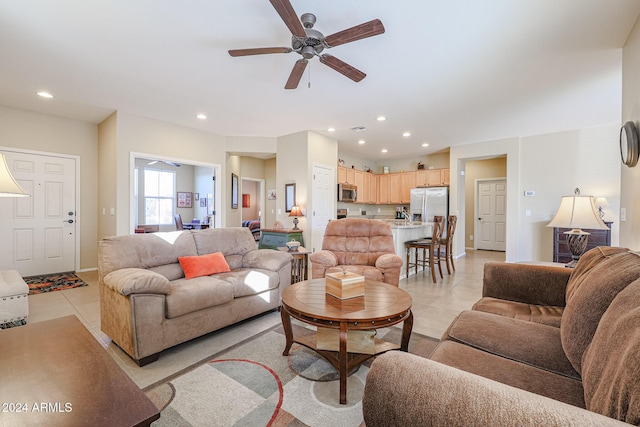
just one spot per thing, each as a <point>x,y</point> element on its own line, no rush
<point>309,42</point>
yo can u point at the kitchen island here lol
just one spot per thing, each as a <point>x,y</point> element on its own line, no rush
<point>408,231</point>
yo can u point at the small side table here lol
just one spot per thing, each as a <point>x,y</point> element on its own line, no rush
<point>300,264</point>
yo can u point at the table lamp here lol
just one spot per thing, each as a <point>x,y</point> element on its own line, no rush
<point>295,213</point>
<point>8,185</point>
<point>577,212</point>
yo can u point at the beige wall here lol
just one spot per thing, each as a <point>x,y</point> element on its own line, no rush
<point>479,169</point>
<point>32,131</point>
<point>137,134</point>
<point>630,177</point>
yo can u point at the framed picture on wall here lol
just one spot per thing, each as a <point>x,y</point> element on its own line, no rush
<point>289,196</point>
<point>234,191</point>
<point>184,199</point>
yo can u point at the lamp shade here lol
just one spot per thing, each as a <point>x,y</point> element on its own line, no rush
<point>577,212</point>
<point>8,186</point>
<point>295,211</point>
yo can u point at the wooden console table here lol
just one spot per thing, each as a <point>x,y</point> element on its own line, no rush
<point>561,252</point>
<point>299,265</point>
<point>55,373</point>
<point>272,238</point>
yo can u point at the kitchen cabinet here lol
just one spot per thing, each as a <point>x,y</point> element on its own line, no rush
<point>359,180</point>
<point>395,188</point>
<point>383,189</point>
<point>346,175</point>
<point>432,177</point>
<point>407,182</point>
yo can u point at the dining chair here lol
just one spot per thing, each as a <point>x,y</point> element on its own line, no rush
<point>179,224</point>
<point>431,244</point>
<point>446,243</point>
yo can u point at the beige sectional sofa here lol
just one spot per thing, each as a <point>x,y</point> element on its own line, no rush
<point>515,364</point>
<point>147,304</point>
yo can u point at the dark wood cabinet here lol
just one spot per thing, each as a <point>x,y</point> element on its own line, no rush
<point>278,237</point>
<point>561,252</point>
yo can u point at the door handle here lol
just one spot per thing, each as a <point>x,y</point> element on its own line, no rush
<point>70,221</point>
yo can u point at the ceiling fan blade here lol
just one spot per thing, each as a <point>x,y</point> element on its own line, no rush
<point>342,67</point>
<point>362,31</point>
<point>296,74</point>
<point>259,51</point>
<point>288,15</point>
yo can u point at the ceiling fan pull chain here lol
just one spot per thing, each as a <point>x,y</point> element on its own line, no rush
<point>309,75</point>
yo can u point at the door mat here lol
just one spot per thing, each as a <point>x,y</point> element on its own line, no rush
<point>53,282</point>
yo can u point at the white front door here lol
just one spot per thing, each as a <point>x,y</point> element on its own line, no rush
<point>39,232</point>
<point>323,204</point>
<point>491,226</point>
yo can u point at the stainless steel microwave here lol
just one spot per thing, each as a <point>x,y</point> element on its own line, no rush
<point>347,193</point>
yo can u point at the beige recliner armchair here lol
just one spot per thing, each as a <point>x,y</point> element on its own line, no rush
<point>362,246</point>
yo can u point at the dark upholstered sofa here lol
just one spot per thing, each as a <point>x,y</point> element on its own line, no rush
<point>545,346</point>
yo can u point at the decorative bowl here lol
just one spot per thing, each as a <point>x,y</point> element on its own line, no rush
<point>293,245</point>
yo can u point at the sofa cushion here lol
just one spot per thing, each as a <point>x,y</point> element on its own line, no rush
<point>543,314</point>
<point>600,274</point>
<point>611,363</point>
<point>143,250</point>
<point>250,281</point>
<point>527,342</point>
<point>127,281</point>
<point>203,265</point>
<point>369,273</point>
<point>187,296</point>
<point>509,372</point>
<point>233,242</point>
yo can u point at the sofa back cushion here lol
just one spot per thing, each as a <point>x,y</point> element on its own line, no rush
<point>599,276</point>
<point>611,363</point>
<point>358,241</point>
<point>149,250</point>
<point>233,242</point>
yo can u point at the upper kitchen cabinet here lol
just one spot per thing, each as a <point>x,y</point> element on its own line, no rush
<point>432,178</point>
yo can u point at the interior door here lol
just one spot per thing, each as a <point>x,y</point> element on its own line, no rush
<point>39,232</point>
<point>324,208</point>
<point>491,224</point>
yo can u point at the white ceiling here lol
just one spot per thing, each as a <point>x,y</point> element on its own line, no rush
<point>450,72</point>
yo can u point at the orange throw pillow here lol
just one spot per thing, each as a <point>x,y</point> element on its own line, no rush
<point>203,265</point>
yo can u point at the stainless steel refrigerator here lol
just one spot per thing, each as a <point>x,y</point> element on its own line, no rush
<point>428,202</point>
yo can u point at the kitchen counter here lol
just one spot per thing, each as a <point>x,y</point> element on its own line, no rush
<point>402,233</point>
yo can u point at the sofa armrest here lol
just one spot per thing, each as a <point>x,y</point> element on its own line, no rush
<point>526,283</point>
<point>407,390</point>
<point>266,259</point>
<point>127,281</point>
<point>320,261</point>
<point>386,261</point>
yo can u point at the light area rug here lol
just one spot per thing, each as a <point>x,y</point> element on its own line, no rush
<point>253,384</point>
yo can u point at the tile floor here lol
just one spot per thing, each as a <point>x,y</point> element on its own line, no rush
<point>434,307</point>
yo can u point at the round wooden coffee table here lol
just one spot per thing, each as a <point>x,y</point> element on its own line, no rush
<point>381,306</point>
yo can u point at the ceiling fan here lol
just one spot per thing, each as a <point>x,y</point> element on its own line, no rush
<point>308,43</point>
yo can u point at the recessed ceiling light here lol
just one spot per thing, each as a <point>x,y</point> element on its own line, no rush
<point>381,118</point>
<point>425,144</point>
<point>44,94</point>
<point>202,116</point>
<point>331,130</point>
<point>406,134</point>
<point>362,141</point>
<point>384,150</point>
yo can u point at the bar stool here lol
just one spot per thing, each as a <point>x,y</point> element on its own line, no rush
<point>446,244</point>
<point>432,245</point>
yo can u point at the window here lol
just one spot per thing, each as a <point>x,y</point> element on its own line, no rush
<point>159,193</point>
